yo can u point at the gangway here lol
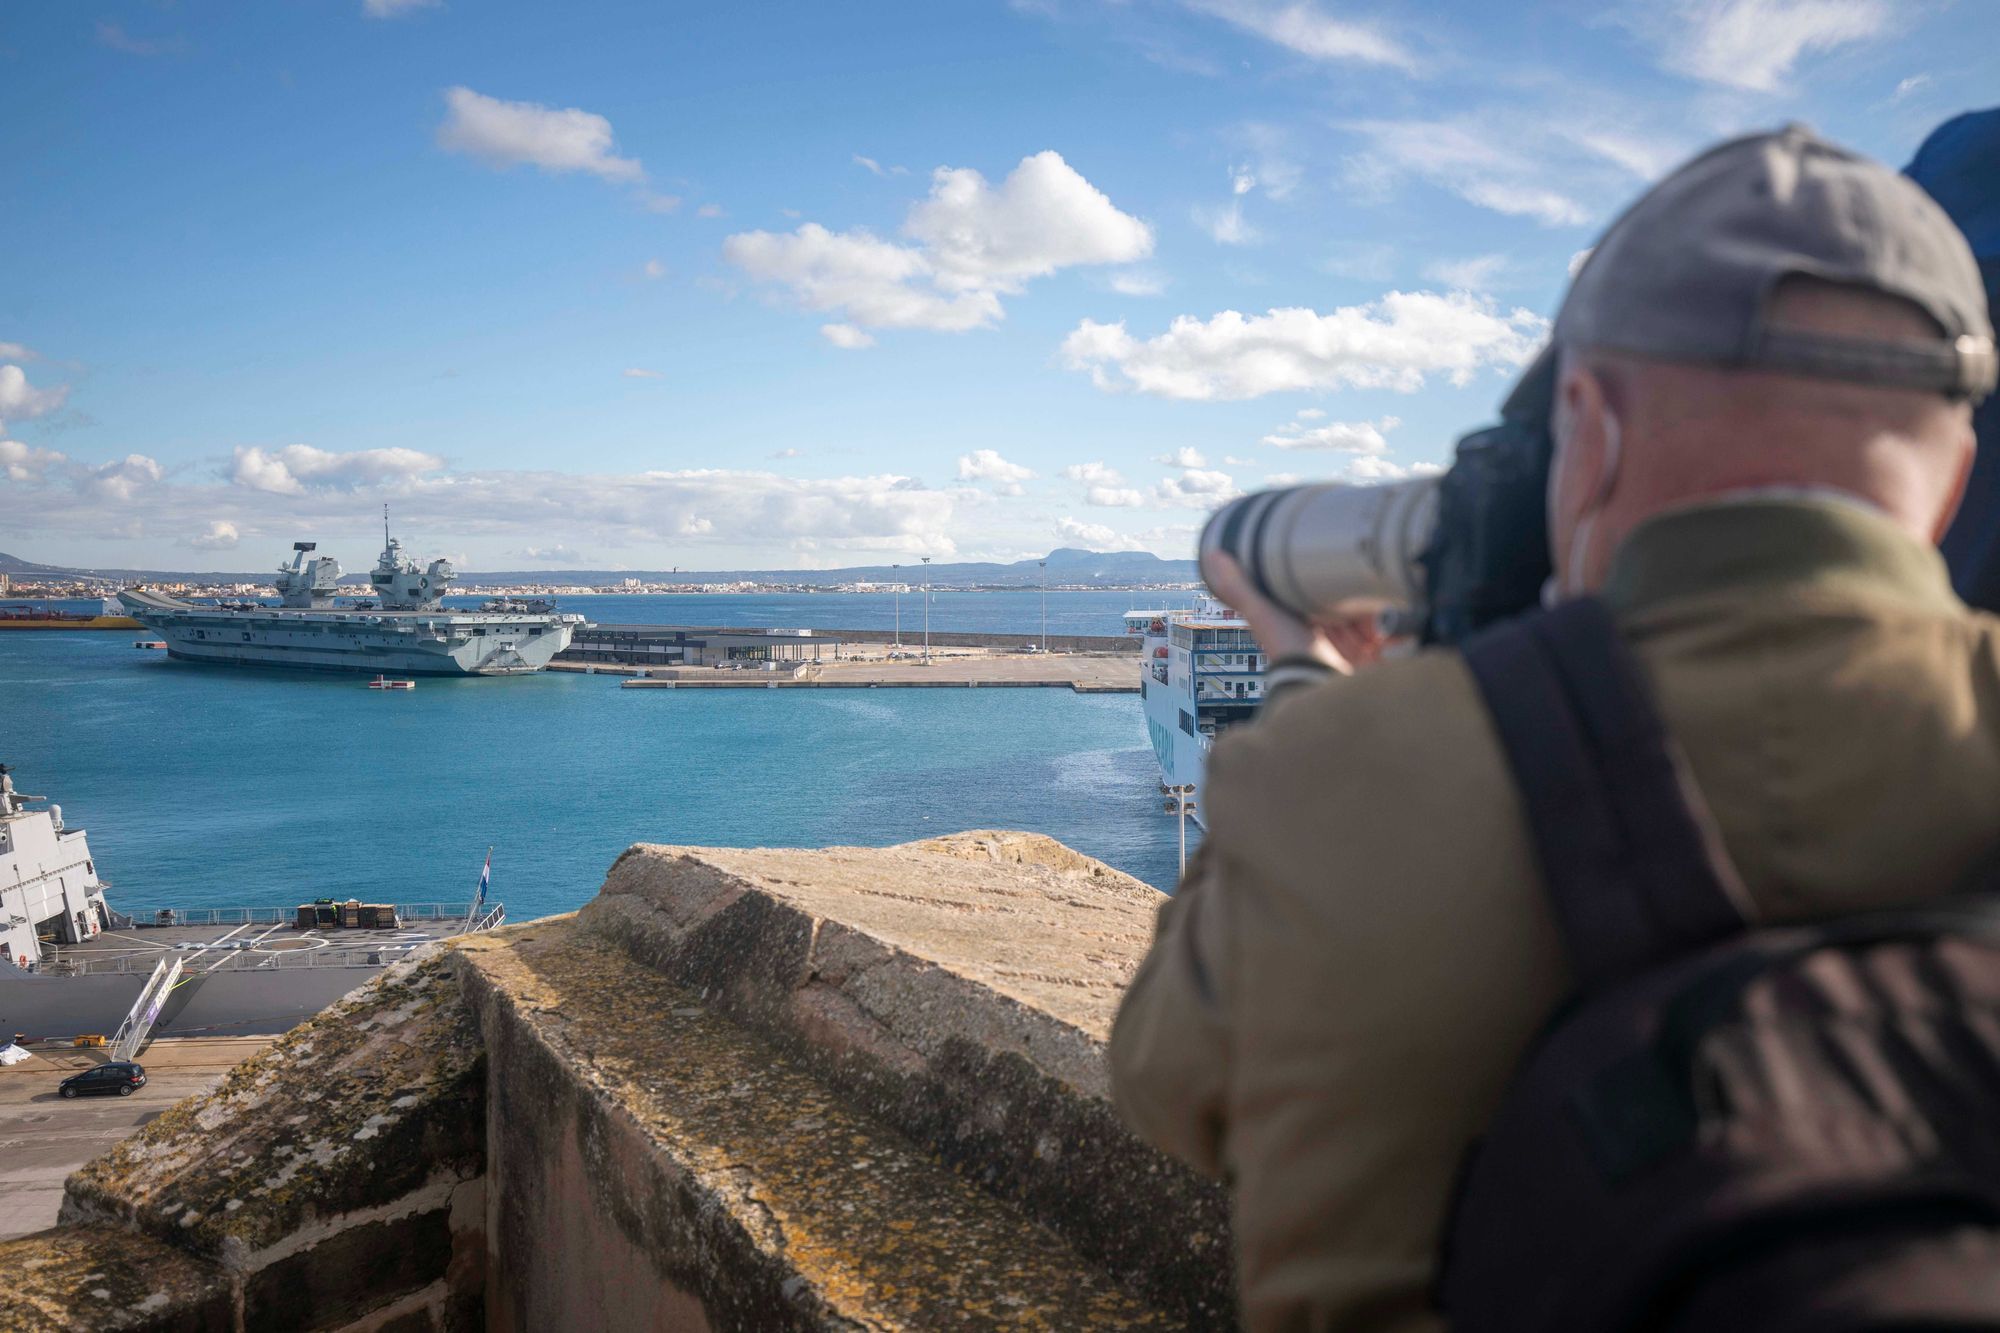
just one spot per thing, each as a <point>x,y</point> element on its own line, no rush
<point>145,1011</point>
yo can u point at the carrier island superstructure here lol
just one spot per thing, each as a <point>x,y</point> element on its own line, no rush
<point>406,630</point>
<point>1202,673</point>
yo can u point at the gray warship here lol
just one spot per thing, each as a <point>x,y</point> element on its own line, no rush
<point>405,631</point>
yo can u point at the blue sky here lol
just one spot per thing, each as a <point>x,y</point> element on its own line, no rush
<point>655,285</point>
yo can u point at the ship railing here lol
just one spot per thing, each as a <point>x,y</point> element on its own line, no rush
<point>250,916</point>
<point>355,955</point>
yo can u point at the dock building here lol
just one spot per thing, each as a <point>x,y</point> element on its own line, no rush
<point>698,646</point>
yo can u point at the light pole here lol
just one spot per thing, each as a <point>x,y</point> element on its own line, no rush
<point>899,606</point>
<point>927,610</point>
<point>1178,803</point>
<point>1043,565</point>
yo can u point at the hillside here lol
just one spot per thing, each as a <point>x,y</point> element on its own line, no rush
<point>1066,565</point>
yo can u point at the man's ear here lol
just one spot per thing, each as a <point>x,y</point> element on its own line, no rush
<point>1578,426</point>
<point>1965,446</point>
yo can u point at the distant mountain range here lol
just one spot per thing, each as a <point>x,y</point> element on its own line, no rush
<point>1066,565</point>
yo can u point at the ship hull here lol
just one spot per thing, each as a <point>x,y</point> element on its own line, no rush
<point>361,661</point>
<point>420,643</point>
<point>226,1004</point>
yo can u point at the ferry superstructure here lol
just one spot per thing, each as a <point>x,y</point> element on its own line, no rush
<point>406,631</point>
<point>1203,673</point>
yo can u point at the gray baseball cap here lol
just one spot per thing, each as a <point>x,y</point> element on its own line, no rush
<point>1687,273</point>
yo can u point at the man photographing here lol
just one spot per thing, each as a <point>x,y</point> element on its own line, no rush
<point>1760,406</point>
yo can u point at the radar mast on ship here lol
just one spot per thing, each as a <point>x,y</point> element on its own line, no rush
<point>400,585</point>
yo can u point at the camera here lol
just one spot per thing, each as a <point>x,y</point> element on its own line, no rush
<point>1437,557</point>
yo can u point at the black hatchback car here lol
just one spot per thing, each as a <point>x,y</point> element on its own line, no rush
<point>120,1077</point>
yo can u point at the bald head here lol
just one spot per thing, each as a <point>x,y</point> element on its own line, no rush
<point>1637,437</point>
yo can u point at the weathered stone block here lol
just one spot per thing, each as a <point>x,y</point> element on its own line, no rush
<point>961,990</point>
<point>88,1277</point>
<point>337,1173</point>
<point>654,1164</point>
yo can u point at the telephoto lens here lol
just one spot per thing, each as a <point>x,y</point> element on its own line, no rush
<point>1331,549</point>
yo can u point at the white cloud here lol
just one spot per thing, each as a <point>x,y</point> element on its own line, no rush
<point>506,134</point>
<point>654,269</point>
<point>1104,487</point>
<point>218,535</point>
<point>1185,456</point>
<point>1754,44</point>
<point>987,465</point>
<point>659,203</point>
<point>709,211</point>
<point>114,36</point>
<point>121,479</point>
<point>1300,26</point>
<point>1356,437</point>
<point>1478,168</point>
<point>1396,342</point>
<point>847,336</point>
<point>1476,273</point>
<point>664,516</point>
<point>877,168</point>
<point>557,554</point>
<point>388,9</point>
<point>1577,260</point>
<point>1137,282</point>
<point>1559,170</point>
<point>641,373</point>
<point>1373,467</point>
<point>1093,536</point>
<point>1225,225</point>
<point>26,464</point>
<point>1043,217</point>
<point>22,401</point>
<point>1904,87</point>
<point>877,283</point>
<point>1310,413</point>
<point>1195,488</point>
<point>16,352</point>
<point>297,468</point>
<point>785,453</point>
<point>973,243</point>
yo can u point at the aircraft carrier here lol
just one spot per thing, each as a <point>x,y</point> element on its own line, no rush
<point>405,630</point>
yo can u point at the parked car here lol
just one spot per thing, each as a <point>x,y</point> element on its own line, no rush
<point>120,1077</point>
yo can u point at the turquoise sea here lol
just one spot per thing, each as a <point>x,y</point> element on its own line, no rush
<point>208,786</point>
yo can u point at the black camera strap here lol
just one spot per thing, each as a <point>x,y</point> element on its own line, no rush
<point>1635,870</point>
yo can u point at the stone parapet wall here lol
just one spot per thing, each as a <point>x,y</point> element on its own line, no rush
<point>962,991</point>
<point>745,1090</point>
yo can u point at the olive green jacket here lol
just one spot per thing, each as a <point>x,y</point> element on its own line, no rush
<point>1360,952</point>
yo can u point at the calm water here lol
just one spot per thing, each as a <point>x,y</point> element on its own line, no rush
<point>975,612</point>
<point>205,786</point>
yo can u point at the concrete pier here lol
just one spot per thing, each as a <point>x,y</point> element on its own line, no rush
<point>741,1089</point>
<point>1084,673</point>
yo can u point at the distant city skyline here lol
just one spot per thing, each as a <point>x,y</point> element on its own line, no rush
<point>625,285</point>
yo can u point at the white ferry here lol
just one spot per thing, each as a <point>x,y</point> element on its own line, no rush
<point>1203,674</point>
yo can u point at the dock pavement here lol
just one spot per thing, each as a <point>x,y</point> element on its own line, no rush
<point>43,1137</point>
<point>1085,673</point>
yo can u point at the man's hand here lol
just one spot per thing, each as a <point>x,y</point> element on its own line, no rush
<point>1343,644</point>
